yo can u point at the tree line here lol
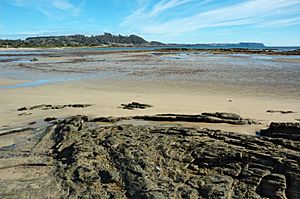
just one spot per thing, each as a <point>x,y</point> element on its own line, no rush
<point>76,41</point>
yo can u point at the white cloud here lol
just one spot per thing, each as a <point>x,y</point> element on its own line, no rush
<point>283,22</point>
<point>52,8</point>
<point>254,13</point>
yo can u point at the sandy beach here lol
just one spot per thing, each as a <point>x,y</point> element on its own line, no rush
<point>187,83</point>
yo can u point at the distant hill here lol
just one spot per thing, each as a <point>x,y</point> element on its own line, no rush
<point>79,40</point>
<point>251,45</point>
<point>109,40</point>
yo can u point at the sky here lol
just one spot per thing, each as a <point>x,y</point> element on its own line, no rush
<point>273,22</point>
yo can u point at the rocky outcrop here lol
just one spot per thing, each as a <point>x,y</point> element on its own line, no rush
<point>92,159</point>
<point>125,161</point>
<point>229,118</point>
<point>290,131</point>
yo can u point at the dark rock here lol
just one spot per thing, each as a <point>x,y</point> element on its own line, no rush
<point>152,161</point>
<point>85,174</point>
<point>31,123</point>
<point>34,59</point>
<point>282,112</point>
<point>40,106</point>
<point>272,186</point>
<point>49,106</point>
<point>293,184</point>
<point>49,119</point>
<point>24,114</point>
<point>108,176</point>
<point>289,131</point>
<point>104,119</point>
<point>171,162</point>
<point>22,109</point>
<point>79,105</point>
<point>216,186</point>
<point>135,105</point>
<point>229,118</point>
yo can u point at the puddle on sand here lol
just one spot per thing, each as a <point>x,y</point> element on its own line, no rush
<point>21,61</point>
<point>51,80</point>
<point>180,56</point>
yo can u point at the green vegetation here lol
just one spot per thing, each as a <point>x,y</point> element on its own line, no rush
<point>76,41</point>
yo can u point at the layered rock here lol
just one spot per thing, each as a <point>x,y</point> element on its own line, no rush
<point>229,118</point>
<point>125,161</point>
<point>290,131</point>
<point>92,159</point>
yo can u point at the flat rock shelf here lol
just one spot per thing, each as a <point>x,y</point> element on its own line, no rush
<point>78,157</point>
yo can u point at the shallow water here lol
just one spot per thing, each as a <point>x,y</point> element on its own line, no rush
<point>28,84</point>
<point>177,56</point>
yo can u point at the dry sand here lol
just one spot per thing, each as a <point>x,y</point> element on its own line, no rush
<point>166,97</point>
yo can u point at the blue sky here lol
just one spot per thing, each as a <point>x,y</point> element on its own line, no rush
<point>274,22</point>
